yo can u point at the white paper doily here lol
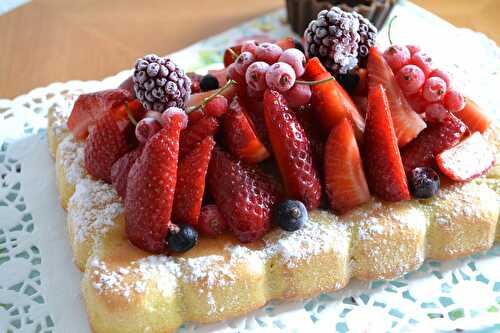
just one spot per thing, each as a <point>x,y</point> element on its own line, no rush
<point>39,285</point>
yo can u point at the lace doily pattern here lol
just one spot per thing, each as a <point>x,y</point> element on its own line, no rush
<point>39,286</point>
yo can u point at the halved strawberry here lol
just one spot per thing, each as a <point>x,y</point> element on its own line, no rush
<point>206,126</point>
<point>407,123</point>
<point>121,168</point>
<point>91,107</point>
<point>330,102</point>
<point>240,137</point>
<point>255,113</point>
<point>474,117</point>
<point>191,183</point>
<point>345,181</point>
<point>292,151</point>
<point>105,144</point>
<point>306,119</point>
<point>244,196</point>
<point>382,161</point>
<point>422,151</point>
<point>150,189</point>
<point>470,159</point>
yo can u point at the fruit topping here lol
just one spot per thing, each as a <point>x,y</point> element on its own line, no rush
<point>397,56</point>
<point>159,83</point>
<point>423,61</point>
<point>268,52</point>
<point>280,76</point>
<point>454,101</point>
<point>105,144</point>
<point>294,58</point>
<point>292,151</point>
<point>249,46</point>
<point>211,222</point>
<point>435,113</point>
<point>368,37</point>
<point>128,85</point>
<point>290,215</point>
<point>150,189</point>
<point>207,126</point>
<point>444,75</point>
<point>407,124</point>
<point>190,186</point>
<point>255,75</point>
<point>244,60</point>
<point>181,238</point>
<point>244,196</point>
<point>475,119</point>
<point>121,168</point>
<point>434,89</point>
<point>174,113</point>
<point>383,166</point>
<point>410,79</point>
<point>240,137</point>
<point>439,136</point>
<point>298,95</point>
<point>209,82</point>
<point>146,128</point>
<point>470,159</point>
<point>424,183</point>
<point>345,181</point>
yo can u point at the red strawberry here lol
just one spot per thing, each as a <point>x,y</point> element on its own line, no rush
<point>470,159</point>
<point>407,123</point>
<point>383,166</point>
<point>240,137</point>
<point>286,43</point>
<point>244,196</point>
<point>211,223</point>
<point>191,183</point>
<point>207,126</point>
<point>150,189</point>
<point>128,85</point>
<point>330,102</point>
<point>105,144</point>
<point>345,180</point>
<point>292,151</point>
<point>255,115</point>
<point>474,117</point>
<point>121,168</point>
<point>439,136</point>
<point>306,119</point>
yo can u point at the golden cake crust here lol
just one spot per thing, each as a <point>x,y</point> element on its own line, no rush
<point>128,290</point>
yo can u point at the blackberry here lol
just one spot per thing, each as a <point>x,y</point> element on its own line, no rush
<point>368,36</point>
<point>159,83</point>
<point>334,38</point>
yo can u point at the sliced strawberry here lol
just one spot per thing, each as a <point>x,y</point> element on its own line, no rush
<point>240,137</point>
<point>255,114</point>
<point>362,86</point>
<point>128,85</point>
<point>105,144</point>
<point>306,119</point>
<point>91,107</point>
<point>382,161</point>
<point>292,151</point>
<point>121,168</point>
<point>207,126</point>
<point>345,180</point>
<point>475,119</point>
<point>470,159</point>
<point>331,103</point>
<point>437,137</point>
<point>150,189</point>
<point>244,196</point>
<point>407,123</point>
<point>191,183</point>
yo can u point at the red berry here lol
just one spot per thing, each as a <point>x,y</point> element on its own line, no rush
<point>441,74</point>
<point>170,113</point>
<point>280,76</point>
<point>150,190</point>
<point>249,46</point>
<point>211,222</point>
<point>413,49</point>
<point>190,185</point>
<point>216,107</point>
<point>244,60</point>
<point>435,113</point>
<point>294,58</point>
<point>255,76</point>
<point>207,126</point>
<point>292,151</point>
<point>454,101</point>
<point>397,56</point>
<point>417,102</point>
<point>410,79</point>
<point>244,196</point>
<point>434,89</point>
<point>146,128</point>
<point>423,61</point>
<point>268,52</point>
<point>299,95</point>
<point>121,168</point>
<point>104,146</point>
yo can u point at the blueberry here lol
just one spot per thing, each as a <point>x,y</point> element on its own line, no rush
<point>290,215</point>
<point>181,237</point>
<point>209,82</point>
<point>424,183</point>
<point>348,81</point>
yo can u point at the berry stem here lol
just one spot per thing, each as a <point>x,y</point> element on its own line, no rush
<point>218,92</point>
<point>130,115</point>
<point>233,53</point>
<point>390,29</point>
<point>312,83</point>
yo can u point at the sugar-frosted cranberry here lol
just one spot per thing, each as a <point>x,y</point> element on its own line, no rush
<point>397,56</point>
<point>442,74</point>
<point>434,89</point>
<point>454,101</point>
<point>244,60</point>
<point>410,79</point>
<point>268,52</point>
<point>424,61</point>
<point>233,74</point>
<point>294,58</point>
<point>413,49</point>
<point>255,76</point>
<point>299,95</point>
<point>435,113</point>
<point>249,46</point>
<point>146,128</point>
<point>280,76</point>
<point>174,112</point>
<point>417,102</point>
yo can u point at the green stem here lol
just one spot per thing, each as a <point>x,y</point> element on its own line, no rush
<point>129,114</point>
<point>312,83</point>
<point>390,29</point>
<point>233,53</point>
<point>219,91</point>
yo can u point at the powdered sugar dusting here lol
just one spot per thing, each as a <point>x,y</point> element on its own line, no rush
<point>71,153</point>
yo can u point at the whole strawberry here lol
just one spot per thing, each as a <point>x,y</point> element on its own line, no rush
<point>150,189</point>
<point>244,196</point>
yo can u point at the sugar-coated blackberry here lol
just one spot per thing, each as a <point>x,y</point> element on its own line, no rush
<point>368,37</point>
